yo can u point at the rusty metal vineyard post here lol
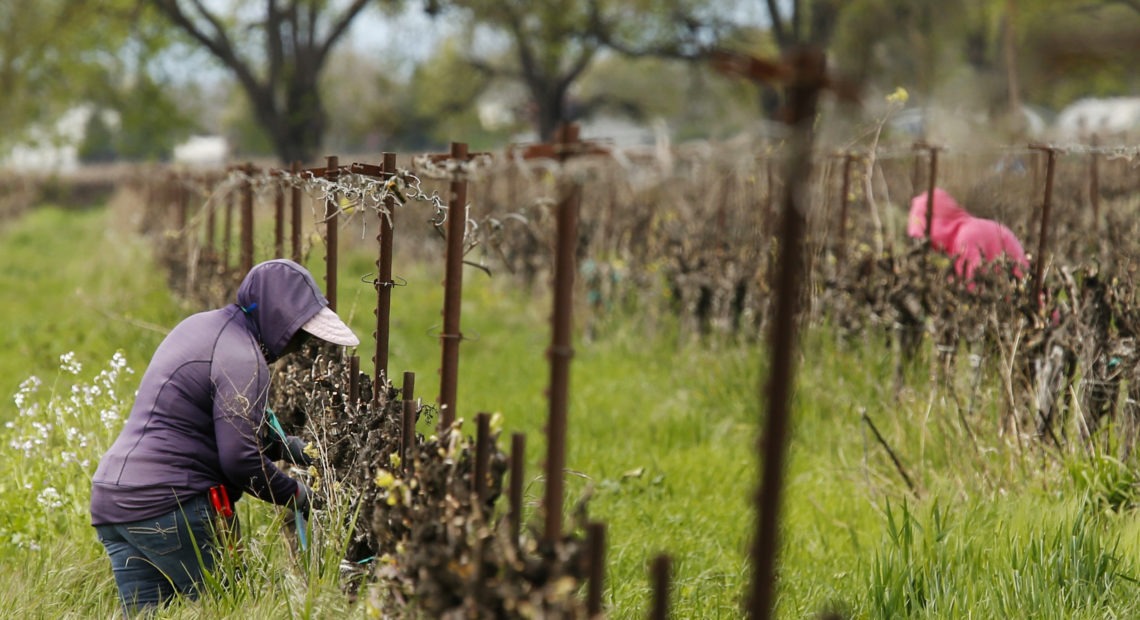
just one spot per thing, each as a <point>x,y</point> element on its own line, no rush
<point>227,230</point>
<point>931,183</point>
<point>916,171</point>
<point>408,423</point>
<point>295,211</point>
<point>452,285</point>
<point>247,219</point>
<point>332,172</point>
<point>770,179</point>
<point>383,282</point>
<point>211,232</point>
<point>596,569</point>
<point>661,575</point>
<point>844,199</point>
<point>561,348</point>
<point>183,189</point>
<point>1043,232</point>
<point>515,492</point>
<point>278,216</point>
<point>354,380</point>
<point>806,77</point>
<point>1094,184</point>
<point>482,456</point>
<point>928,244</point>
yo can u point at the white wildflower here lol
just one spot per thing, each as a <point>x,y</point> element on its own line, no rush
<point>68,363</point>
<point>50,498</point>
<point>27,388</point>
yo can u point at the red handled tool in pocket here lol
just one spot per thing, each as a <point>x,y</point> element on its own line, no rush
<point>220,499</point>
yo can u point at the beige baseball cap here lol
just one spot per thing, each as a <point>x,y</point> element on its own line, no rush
<point>327,326</point>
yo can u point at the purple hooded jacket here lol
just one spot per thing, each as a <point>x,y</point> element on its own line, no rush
<point>200,407</point>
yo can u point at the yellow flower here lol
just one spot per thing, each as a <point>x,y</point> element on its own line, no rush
<point>384,479</point>
<point>899,96</point>
<point>311,451</point>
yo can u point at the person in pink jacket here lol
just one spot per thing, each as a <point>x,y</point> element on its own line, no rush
<point>970,240</point>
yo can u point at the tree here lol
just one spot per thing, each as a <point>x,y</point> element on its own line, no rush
<point>804,23</point>
<point>1069,51</point>
<point>281,78</point>
<point>801,23</point>
<point>134,86</point>
<point>58,56</point>
<point>98,141</point>
<point>24,71</point>
<point>695,103</point>
<point>548,46</point>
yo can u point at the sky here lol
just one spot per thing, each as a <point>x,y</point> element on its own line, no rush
<point>414,33</point>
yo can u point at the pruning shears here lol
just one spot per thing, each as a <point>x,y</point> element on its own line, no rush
<point>298,518</point>
<point>220,500</point>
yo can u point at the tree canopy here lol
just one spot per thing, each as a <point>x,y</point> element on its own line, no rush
<point>276,55</point>
<point>59,55</point>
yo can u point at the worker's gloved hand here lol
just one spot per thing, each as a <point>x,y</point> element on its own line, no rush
<point>278,446</point>
<point>294,451</point>
<point>291,449</point>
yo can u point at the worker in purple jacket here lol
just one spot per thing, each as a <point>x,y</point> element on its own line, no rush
<point>197,437</point>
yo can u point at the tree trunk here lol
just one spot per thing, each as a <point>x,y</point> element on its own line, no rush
<point>550,113</point>
<point>295,123</point>
<point>1010,31</point>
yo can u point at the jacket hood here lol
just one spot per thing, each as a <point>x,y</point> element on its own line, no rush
<point>279,296</point>
<point>948,216</point>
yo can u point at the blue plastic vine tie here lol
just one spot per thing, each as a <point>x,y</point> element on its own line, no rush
<point>299,521</point>
<point>275,424</point>
<point>298,518</point>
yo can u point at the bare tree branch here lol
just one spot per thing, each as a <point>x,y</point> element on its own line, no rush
<point>285,102</point>
<point>778,28</point>
<point>275,49</point>
<point>340,26</point>
<point>526,53</point>
<point>219,44</point>
<point>576,68</point>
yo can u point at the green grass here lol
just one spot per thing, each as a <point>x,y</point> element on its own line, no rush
<point>662,439</point>
<point>76,281</point>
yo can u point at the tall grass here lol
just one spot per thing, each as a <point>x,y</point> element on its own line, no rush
<point>662,444</point>
<point>81,281</point>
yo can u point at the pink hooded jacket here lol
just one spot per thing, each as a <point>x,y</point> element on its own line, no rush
<point>969,239</point>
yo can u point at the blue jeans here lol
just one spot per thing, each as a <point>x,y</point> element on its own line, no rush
<point>154,560</point>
